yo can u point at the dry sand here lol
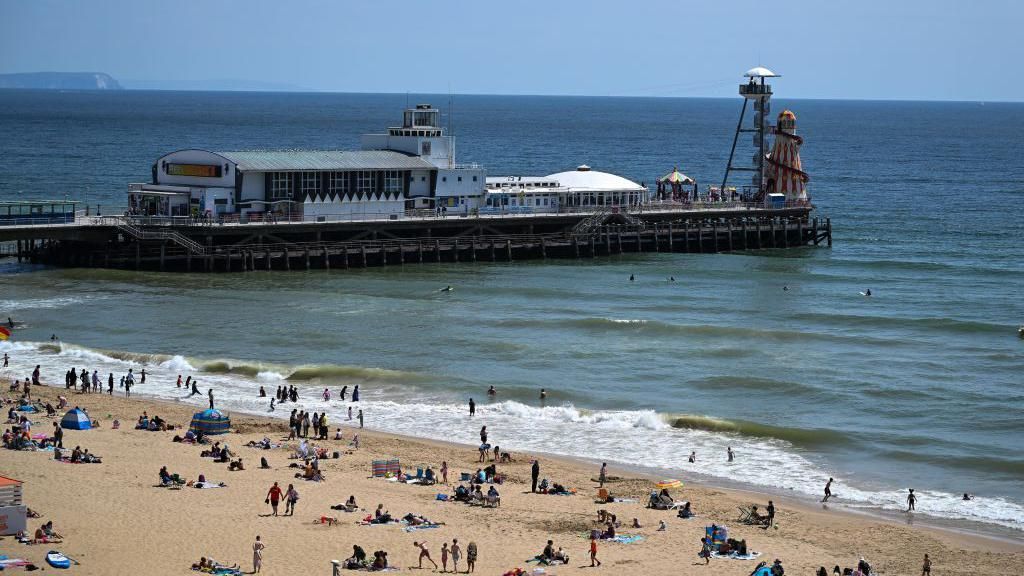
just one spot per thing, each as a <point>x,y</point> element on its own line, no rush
<point>116,522</point>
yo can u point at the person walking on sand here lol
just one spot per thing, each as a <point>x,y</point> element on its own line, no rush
<point>274,497</point>
<point>257,555</point>
<point>444,472</point>
<point>360,418</point>
<point>828,490</point>
<point>534,474</point>
<point>472,407</point>
<point>602,475</point>
<point>926,568</point>
<point>444,557</point>
<point>593,552</point>
<point>210,394</point>
<point>424,553</point>
<point>771,515</point>
<point>471,557</point>
<point>705,550</point>
<point>911,500</point>
<point>456,554</point>
<point>290,498</point>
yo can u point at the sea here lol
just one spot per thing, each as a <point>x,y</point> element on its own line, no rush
<point>918,386</point>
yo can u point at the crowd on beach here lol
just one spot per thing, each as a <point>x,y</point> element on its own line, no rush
<point>479,488</point>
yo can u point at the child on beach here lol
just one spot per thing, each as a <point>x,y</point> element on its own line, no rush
<point>593,553</point>
<point>424,553</point>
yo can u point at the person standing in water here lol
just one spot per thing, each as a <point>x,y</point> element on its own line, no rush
<point>483,435</point>
<point>210,394</point>
<point>632,278</point>
<point>6,359</point>
<point>828,490</point>
<point>355,393</point>
<point>728,451</point>
<point>911,500</point>
<point>142,376</point>
<point>543,395</point>
<point>472,407</point>
<point>344,392</point>
<point>693,457</point>
<point>195,389</point>
<point>360,418</point>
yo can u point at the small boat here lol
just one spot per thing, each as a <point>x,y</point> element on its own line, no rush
<point>57,560</point>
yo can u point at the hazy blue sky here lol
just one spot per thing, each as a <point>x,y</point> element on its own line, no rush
<point>908,49</point>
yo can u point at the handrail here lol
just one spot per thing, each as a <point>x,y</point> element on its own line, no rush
<point>183,241</point>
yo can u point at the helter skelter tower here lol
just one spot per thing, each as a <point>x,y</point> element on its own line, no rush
<point>785,174</point>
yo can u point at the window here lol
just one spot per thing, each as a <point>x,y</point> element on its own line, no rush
<point>423,178</point>
<point>444,178</point>
<point>280,185</point>
<point>310,184</point>
<point>425,149</point>
<point>392,181</point>
<point>474,178</point>
<point>338,183</point>
<point>365,182</point>
<point>460,178</point>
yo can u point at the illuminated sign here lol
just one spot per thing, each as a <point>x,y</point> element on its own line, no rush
<point>200,170</point>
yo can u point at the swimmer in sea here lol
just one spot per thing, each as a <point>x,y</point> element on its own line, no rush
<point>631,278</point>
<point>491,391</point>
<point>785,288</point>
<point>671,278</point>
<point>543,394</point>
<point>446,289</point>
<point>967,497</point>
<point>867,292</point>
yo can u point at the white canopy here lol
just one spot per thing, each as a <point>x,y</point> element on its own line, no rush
<point>585,178</point>
<point>760,72</point>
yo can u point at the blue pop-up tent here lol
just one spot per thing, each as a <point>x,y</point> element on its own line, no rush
<point>210,422</point>
<point>75,419</point>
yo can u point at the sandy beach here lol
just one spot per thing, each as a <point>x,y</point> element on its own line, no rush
<point>116,521</point>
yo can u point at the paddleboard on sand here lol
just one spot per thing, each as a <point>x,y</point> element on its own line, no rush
<point>57,560</point>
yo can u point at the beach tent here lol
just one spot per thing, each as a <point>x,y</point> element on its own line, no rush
<point>210,422</point>
<point>75,419</point>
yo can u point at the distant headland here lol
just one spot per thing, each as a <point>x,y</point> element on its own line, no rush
<point>60,81</point>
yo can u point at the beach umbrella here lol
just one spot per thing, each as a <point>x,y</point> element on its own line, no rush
<point>75,419</point>
<point>676,177</point>
<point>210,422</point>
<point>666,484</point>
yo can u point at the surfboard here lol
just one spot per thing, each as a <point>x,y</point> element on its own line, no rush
<point>57,560</point>
<point>863,293</point>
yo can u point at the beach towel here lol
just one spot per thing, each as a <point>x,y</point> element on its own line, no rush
<point>625,539</point>
<point>734,556</point>
<point>208,485</point>
<point>421,527</point>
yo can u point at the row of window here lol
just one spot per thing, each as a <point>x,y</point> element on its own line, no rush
<point>338,183</point>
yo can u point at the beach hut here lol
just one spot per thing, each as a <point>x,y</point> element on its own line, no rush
<point>210,422</point>
<point>12,512</point>
<point>75,419</point>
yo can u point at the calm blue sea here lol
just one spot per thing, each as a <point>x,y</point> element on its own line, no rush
<point>919,386</point>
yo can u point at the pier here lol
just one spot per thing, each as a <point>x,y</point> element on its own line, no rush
<point>185,245</point>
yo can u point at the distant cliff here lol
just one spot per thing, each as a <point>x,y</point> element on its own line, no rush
<point>60,81</point>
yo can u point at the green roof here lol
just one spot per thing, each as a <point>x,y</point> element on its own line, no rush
<point>319,160</point>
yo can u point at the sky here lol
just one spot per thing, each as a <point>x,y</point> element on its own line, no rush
<point>864,49</point>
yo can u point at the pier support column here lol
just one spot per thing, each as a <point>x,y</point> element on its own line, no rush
<point>362,250</point>
<point>401,254</point>
<point>138,255</point>
<point>593,243</point>
<point>686,236</point>
<point>828,229</point>
<point>576,246</point>
<point>771,228</point>
<point>618,238</point>
<point>657,240</point>
<point>472,250</point>
<point>508,249</point>
<point>714,232</point>
<point>267,256</point>
<point>814,231</point>
<point>607,243</point>
<point>163,254</point>
<point>455,250</point>
<point>671,246</point>
<point>420,250</point>
<point>700,237</point>
<point>731,231</point>
<point>437,250</point>
<point>307,259</point>
<point>287,259</point>
<point>639,241</point>
<point>327,258</point>
<point>19,251</point>
<point>344,259</point>
<point>493,255</point>
<point>543,248</point>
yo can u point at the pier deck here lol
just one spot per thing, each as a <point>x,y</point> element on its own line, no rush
<point>186,245</point>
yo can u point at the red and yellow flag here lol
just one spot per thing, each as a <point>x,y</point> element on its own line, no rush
<point>5,333</point>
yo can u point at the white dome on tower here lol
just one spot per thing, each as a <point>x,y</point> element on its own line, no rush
<point>760,72</point>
